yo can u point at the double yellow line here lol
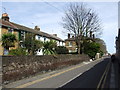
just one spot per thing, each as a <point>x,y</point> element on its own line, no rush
<point>45,78</point>
<point>104,76</point>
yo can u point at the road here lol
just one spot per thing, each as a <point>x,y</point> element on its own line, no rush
<point>89,79</point>
<point>84,75</point>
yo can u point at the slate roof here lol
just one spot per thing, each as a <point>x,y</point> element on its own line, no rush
<point>73,39</point>
<point>70,39</point>
<point>24,28</point>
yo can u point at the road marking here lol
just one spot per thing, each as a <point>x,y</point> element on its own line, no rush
<point>70,80</point>
<point>98,86</point>
<point>45,78</point>
<point>39,80</point>
<point>108,68</point>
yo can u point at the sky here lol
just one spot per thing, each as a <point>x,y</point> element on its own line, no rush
<point>48,16</point>
<point>119,14</point>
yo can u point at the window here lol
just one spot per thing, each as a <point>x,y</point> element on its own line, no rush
<point>22,35</point>
<point>38,37</point>
<point>70,44</point>
<point>44,39</point>
<point>10,30</point>
<point>21,44</point>
<point>39,50</point>
<point>5,51</point>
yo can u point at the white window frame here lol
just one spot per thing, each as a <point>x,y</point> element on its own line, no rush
<point>10,30</point>
<point>70,44</point>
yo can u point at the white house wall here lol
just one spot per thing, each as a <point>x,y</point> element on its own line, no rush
<point>43,39</point>
<point>63,43</point>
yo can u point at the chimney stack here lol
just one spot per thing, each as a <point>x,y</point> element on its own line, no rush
<point>93,36</point>
<point>5,17</point>
<point>68,35</point>
<point>55,35</point>
<point>90,34</point>
<point>37,28</point>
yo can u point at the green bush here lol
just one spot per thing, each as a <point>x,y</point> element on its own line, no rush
<point>91,48</point>
<point>8,40</point>
<point>31,44</point>
<point>18,51</point>
<point>101,53</point>
<point>49,47</point>
<point>61,50</point>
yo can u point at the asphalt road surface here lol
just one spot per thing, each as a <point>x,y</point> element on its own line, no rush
<point>84,75</point>
<point>90,78</point>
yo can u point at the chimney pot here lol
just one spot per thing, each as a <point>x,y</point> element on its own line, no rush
<point>5,17</point>
<point>55,35</point>
<point>37,28</point>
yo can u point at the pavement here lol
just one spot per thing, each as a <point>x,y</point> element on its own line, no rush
<point>115,75</point>
<point>83,75</point>
<point>112,78</point>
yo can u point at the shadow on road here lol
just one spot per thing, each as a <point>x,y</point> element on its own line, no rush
<point>90,78</point>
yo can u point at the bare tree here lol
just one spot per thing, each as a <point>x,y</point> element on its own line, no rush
<point>81,21</point>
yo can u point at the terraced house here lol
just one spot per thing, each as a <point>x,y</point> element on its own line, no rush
<point>20,32</point>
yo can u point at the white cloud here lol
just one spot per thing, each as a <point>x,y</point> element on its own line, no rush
<point>48,17</point>
<point>109,33</point>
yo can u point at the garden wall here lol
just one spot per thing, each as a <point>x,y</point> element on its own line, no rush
<point>18,67</point>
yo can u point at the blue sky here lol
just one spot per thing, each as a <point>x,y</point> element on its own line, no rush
<point>48,17</point>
